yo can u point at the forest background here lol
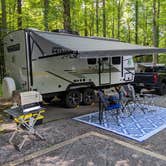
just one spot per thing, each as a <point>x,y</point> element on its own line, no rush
<point>136,21</point>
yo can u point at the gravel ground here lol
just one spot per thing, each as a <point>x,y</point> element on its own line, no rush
<point>101,153</point>
<point>160,101</point>
<point>96,151</point>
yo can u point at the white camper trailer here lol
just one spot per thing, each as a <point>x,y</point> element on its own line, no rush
<point>66,65</point>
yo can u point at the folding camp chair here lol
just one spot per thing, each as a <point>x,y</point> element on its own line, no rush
<point>111,104</point>
<point>25,121</point>
<point>130,101</point>
<point>149,98</point>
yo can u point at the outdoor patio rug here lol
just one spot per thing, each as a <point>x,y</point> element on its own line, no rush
<point>138,126</point>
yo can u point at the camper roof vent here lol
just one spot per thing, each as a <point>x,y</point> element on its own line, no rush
<point>66,31</point>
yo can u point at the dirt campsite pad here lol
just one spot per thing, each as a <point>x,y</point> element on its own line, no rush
<point>69,142</point>
<point>92,149</point>
<point>72,143</point>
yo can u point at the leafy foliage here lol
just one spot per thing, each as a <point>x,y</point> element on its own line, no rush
<point>120,18</point>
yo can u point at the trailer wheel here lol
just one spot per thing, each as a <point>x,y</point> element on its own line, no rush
<point>163,89</point>
<point>88,96</point>
<point>72,98</point>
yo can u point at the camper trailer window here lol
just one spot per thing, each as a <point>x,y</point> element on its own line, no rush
<point>91,61</point>
<point>104,59</point>
<point>116,60</point>
<point>13,48</point>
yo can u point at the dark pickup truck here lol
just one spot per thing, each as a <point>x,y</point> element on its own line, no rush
<point>153,77</point>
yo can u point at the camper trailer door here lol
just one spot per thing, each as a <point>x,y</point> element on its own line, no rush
<point>105,71</point>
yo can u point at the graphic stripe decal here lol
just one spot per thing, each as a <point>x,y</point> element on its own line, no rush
<point>59,76</point>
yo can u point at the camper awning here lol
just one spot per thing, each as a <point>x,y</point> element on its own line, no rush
<point>53,43</point>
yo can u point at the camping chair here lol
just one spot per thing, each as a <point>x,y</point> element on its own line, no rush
<point>130,101</point>
<point>111,104</point>
<point>25,122</point>
<point>149,98</point>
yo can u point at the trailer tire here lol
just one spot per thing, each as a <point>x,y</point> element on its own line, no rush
<point>88,96</point>
<point>72,98</point>
<point>8,86</point>
<point>163,89</point>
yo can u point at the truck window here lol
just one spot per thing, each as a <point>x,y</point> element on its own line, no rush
<point>148,69</point>
<point>116,60</point>
<point>155,69</point>
<point>162,69</point>
<point>91,61</point>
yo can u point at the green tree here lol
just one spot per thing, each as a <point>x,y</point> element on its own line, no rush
<point>97,17</point>
<point>46,9</point>
<point>19,12</point>
<point>66,14</point>
<point>104,19</point>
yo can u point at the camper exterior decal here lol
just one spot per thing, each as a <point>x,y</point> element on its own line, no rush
<point>59,50</point>
<point>59,76</point>
<point>12,48</point>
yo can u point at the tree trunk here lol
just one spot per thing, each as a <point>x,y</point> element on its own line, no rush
<point>92,20</point>
<point>119,18</point>
<point>4,24</point>
<point>113,19</point>
<point>104,20</point>
<point>136,21</point>
<point>129,31</point>
<point>74,19</point>
<point>19,12</point>
<point>97,17</point>
<point>85,20</point>
<point>46,8</point>
<point>158,27</point>
<point>66,15</point>
<point>155,36</point>
<point>14,8</point>
<point>3,31</point>
<point>145,26</point>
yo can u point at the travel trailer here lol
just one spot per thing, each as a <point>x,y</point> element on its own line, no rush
<point>68,66</point>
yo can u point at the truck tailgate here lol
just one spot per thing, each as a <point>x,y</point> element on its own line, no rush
<point>143,78</point>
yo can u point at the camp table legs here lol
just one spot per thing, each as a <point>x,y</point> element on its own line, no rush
<point>30,131</point>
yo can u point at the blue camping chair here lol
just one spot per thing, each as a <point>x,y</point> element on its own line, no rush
<point>110,103</point>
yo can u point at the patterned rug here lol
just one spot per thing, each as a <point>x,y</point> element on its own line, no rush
<point>138,126</point>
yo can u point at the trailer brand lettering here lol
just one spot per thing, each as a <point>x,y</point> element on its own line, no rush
<point>13,48</point>
<point>59,50</point>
